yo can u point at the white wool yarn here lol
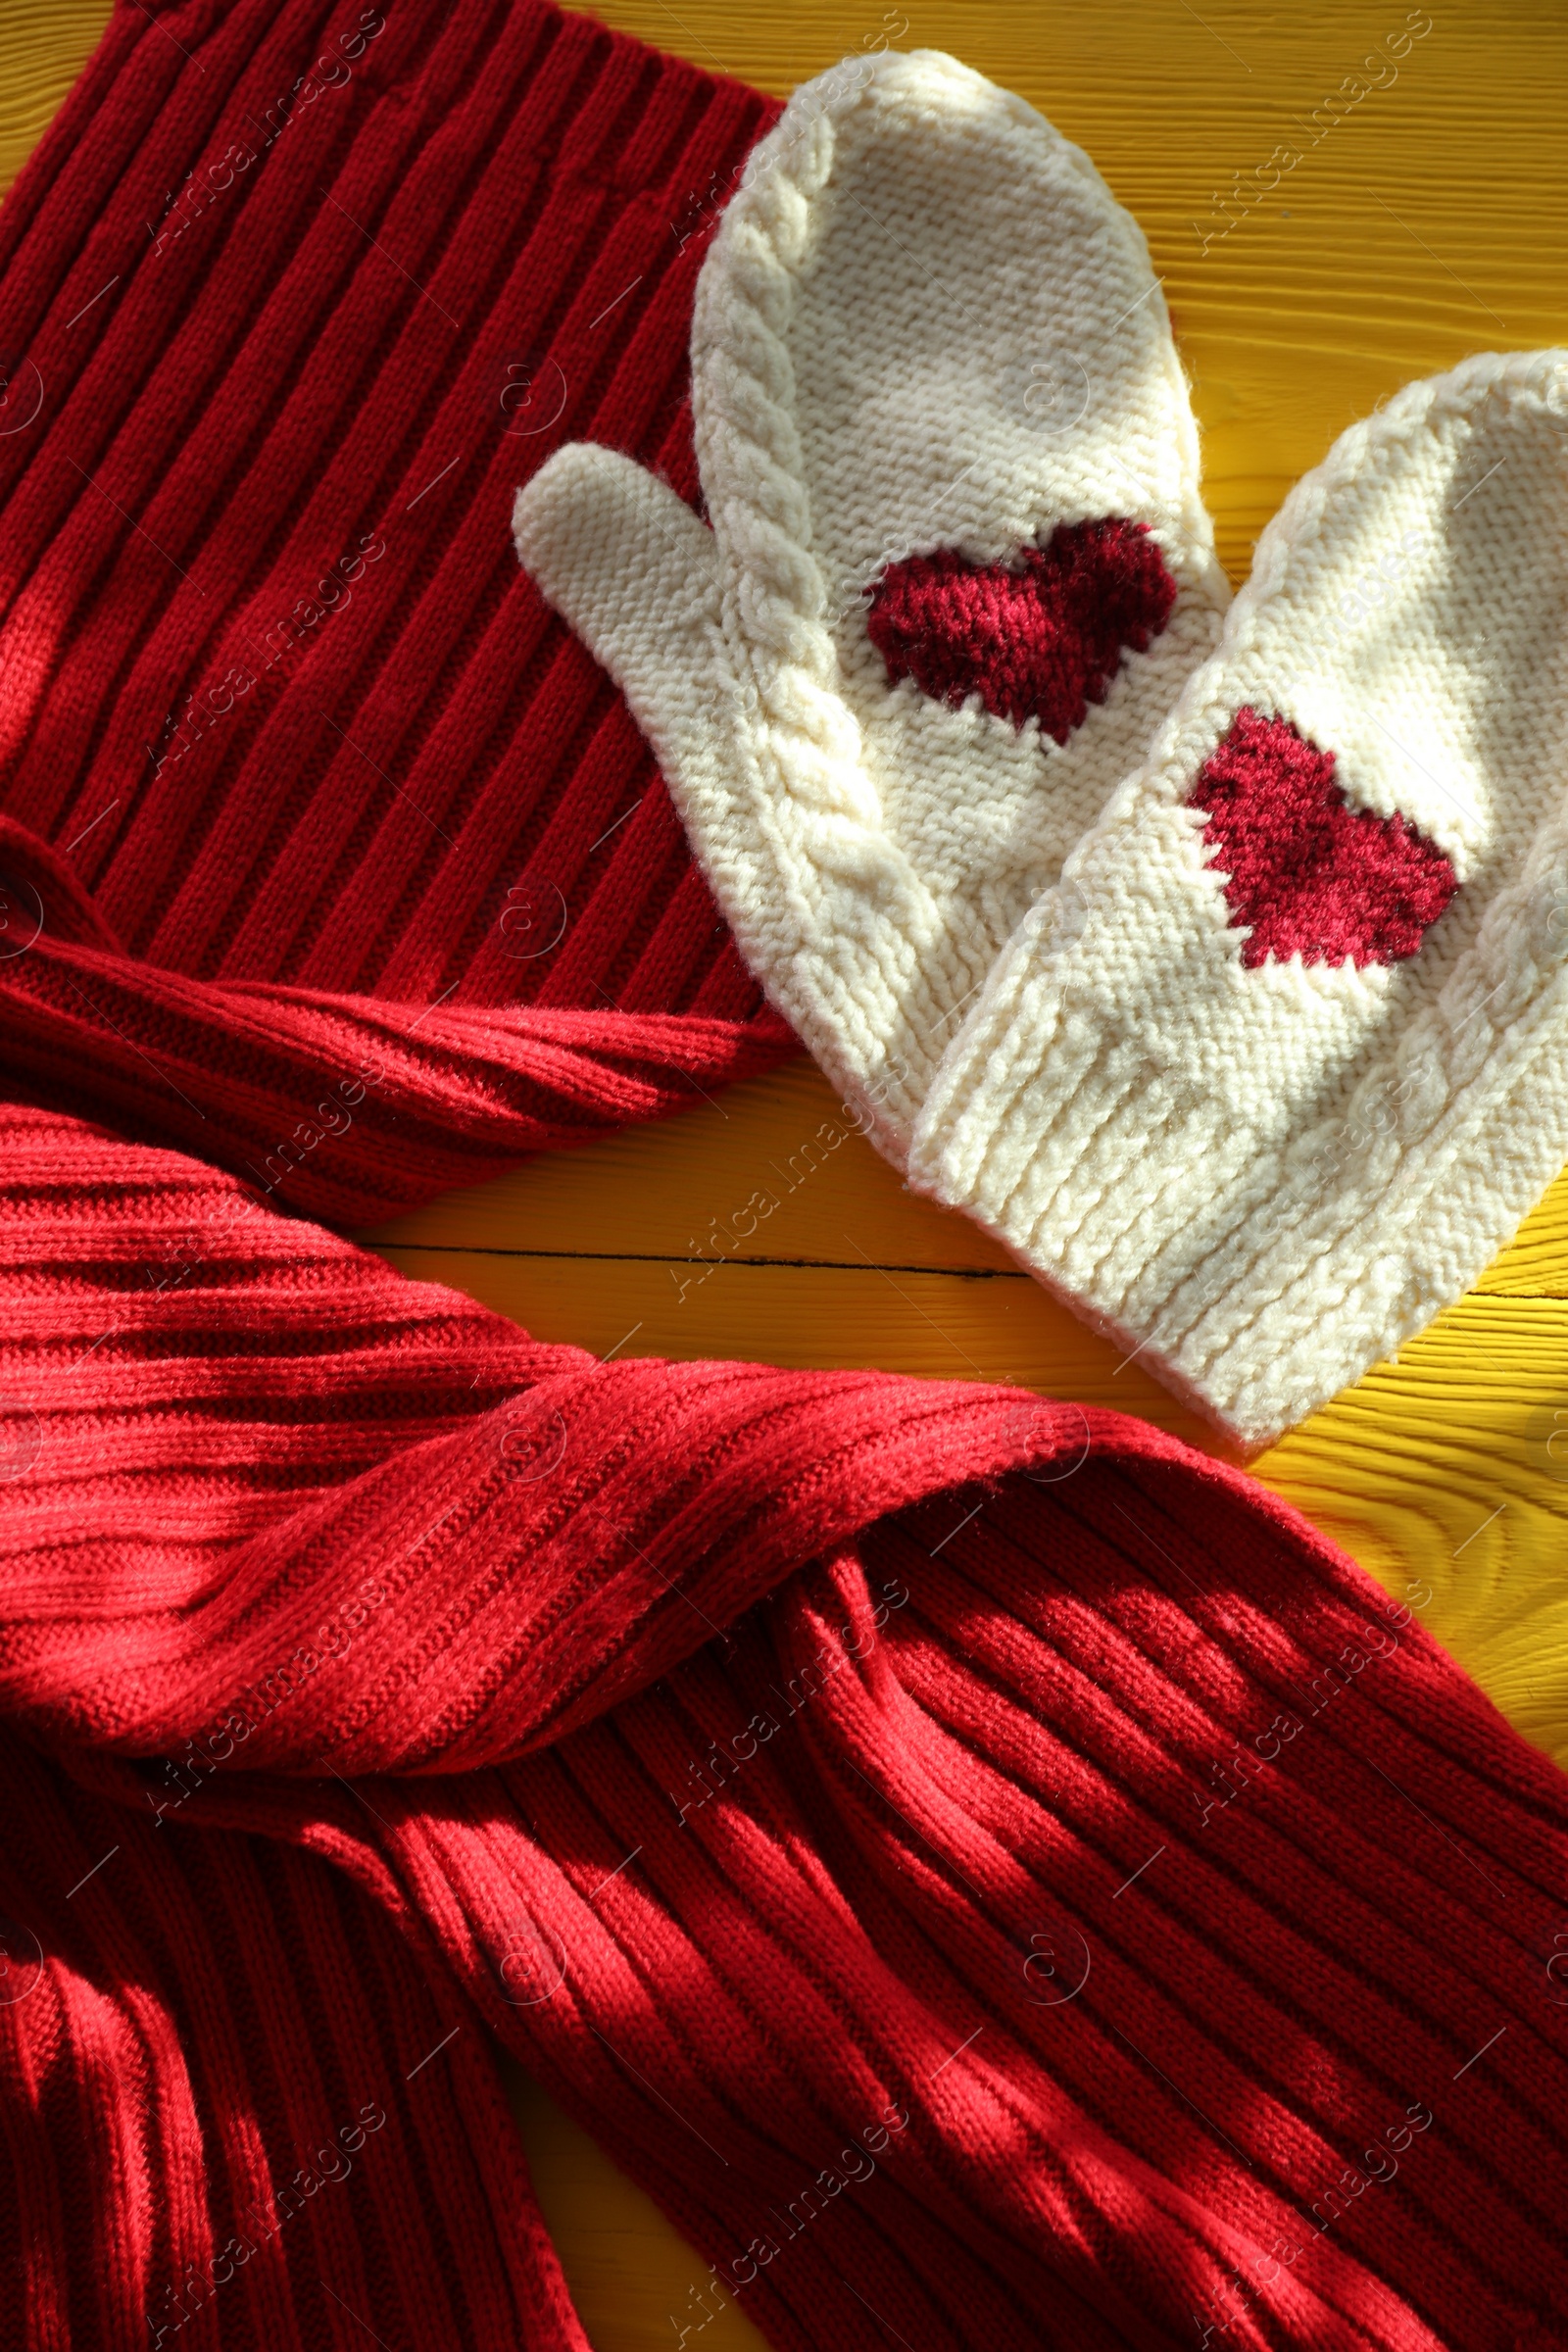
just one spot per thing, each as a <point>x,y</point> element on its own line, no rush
<point>1263,1175</point>
<point>924,323</point>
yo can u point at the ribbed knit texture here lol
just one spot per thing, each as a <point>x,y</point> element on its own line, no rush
<point>348,1106</point>
<point>272,683</point>
<point>222,2125</point>
<point>990,1915</point>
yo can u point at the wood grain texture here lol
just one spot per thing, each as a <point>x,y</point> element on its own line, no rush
<point>43,46</point>
<point>634,2281</point>
<point>1418,221</point>
<point>1412,229</point>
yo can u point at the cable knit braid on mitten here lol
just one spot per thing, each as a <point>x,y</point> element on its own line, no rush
<point>931,371</point>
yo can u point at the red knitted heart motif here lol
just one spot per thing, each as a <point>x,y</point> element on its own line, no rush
<point>1308,873</point>
<point>1042,640</point>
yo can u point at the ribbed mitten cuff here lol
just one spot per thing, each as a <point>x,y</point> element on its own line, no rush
<point>1206,1244</point>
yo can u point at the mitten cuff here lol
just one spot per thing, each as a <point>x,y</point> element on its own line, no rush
<point>1255,1265</point>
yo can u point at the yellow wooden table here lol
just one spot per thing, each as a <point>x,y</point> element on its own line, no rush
<point>1422,220</point>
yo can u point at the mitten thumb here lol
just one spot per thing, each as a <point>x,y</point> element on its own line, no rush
<point>634,572</point>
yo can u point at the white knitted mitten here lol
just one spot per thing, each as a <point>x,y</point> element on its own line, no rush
<point>1284,1059</point>
<point>959,567</point>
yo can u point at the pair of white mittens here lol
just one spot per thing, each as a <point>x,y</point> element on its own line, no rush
<point>1213,960</point>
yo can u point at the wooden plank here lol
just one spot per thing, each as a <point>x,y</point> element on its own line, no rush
<point>778,1170</point>
<point>1448,1472</point>
<point>43,47</point>
<point>995,1327</point>
<point>635,2279</point>
<point>1411,231</point>
<point>1535,1264</point>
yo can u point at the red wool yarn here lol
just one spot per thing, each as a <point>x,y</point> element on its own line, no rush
<point>219,2131</point>
<point>1309,874</point>
<point>348,1106</point>
<point>1042,640</point>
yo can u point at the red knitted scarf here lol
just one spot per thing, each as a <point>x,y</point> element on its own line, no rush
<point>1073,1906</point>
<point>346,797</point>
